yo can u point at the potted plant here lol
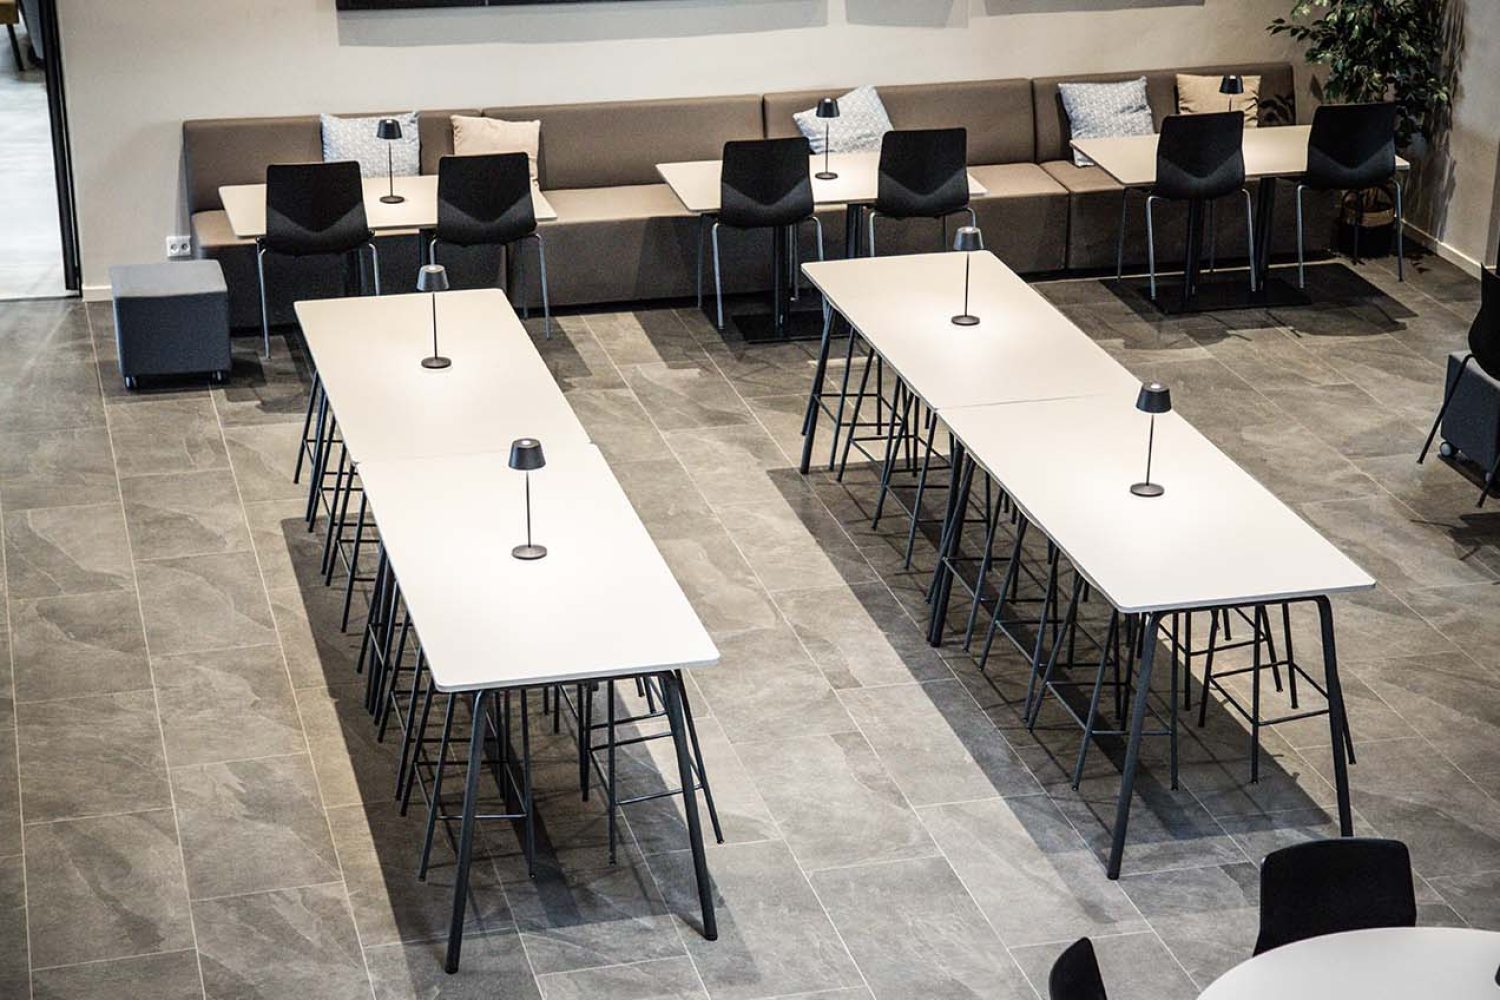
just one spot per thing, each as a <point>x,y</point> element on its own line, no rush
<point>1377,50</point>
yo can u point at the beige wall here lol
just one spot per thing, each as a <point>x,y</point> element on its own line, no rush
<point>136,69</point>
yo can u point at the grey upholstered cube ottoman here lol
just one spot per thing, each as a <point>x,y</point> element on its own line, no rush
<point>171,318</point>
<point>1472,424</point>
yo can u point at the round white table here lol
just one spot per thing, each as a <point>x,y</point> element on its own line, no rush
<point>1401,963</point>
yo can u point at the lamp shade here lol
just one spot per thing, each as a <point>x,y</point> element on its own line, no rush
<point>1232,84</point>
<point>968,238</point>
<point>526,455</point>
<point>432,278</point>
<point>828,107</point>
<point>1154,398</point>
<point>389,128</point>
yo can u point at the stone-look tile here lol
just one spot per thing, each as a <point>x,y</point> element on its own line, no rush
<point>252,825</point>
<point>87,644</point>
<point>293,942</point>
<point>264,458</point>
<point>687,394</point>
<point>264,391</point>
<point>1207,917</point>
<point>1476,898</point>
<point>44,331</point>
<point>781,416</point>
<point>290,555</point>
<point>732,465</point>
<point>1215,767</point>
<point>914,931</point>
<point>1029,870</point>
<point>860,635</point>
<point>14,961</point>
<point>317,653</point>
<point>7,686</point>
<point>766,369</point>
<point>936,743</point>
<point>1271,358</point>
<point>1370,716</point>
<point>351,766</point>
<point>105,887</point>
<point>56,468</point>
<point>227,704</point>
<point>91,756</point>
<point>1402,381</point>
<point>774,936</point>
<point>1368,624</point>
<point>574,357</point>
<point>1289,459</point>
<point>1436,488</point>
<point>1351,420</point>
<point>1399,549</point>
<point>54,551</point>
<point>380,851</point>
<point>178,433</point>
<point>647,336</point>
<point>1259,835</point>
<point>790,549</point>
<point>723,589</point>
<point>51,397</point>
<point>1469,616</point>
<point>1133,967</point>
<point>765,687</point>
<point>169,976</point>
<point>617,423</point>
<point>204,602</point>
<point>494,968</point>
<point>10,796</point>
<point>661,492</point>
<point>662,979</point>
<point>184,514</point>
<point>1452,701</point>
<point>834,802</point>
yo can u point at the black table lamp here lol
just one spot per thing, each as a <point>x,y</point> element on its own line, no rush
<point>966,241</point>
<point>526,455</point>
<point>433,278</point>
<point>389,129</point>
<point>828,109</point>
<point>1231,86</point>
<point>1154,398</point>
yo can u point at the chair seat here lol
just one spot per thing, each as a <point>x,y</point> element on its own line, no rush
<point>615,204</point>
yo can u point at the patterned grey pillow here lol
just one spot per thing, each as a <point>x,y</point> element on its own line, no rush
<point>1096,110</point>
<point>354,139</point>
<point>861,125</point>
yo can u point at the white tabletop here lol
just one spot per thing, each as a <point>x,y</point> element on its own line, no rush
<point>1216,536</point>
<point>1405,963</point>
<point>602,602</point>
<point>369,349</point>
<point>1023,347</point>
<point>696,182</point>
<point>245,204</point>
<point>1275,151</point>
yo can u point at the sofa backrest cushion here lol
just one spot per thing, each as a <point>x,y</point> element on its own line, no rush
<point>621,142</point>
<point>997,113</point>
<point>436,129</point>
<point>1277,100</point>
<point>219,151</point>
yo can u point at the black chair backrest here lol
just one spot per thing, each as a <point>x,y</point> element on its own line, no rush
<point>1075,974</point>
<point>1484,332</point>
<point>1351,146</point>
<point>765,182</point>
<point>315,208</point>
<point>1329,886</point>
<point>1200,156</point>
<point>923,173</point>
<point>484,200</point>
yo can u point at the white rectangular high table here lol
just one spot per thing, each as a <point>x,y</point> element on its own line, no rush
<point>245,205</point>
<point>601,604</point>
<point>1216,538</point>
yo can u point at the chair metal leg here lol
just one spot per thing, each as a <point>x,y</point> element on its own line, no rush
<point>1301,252</point>
<point>871,233</point>
<point>1249,237</point>
<point>818,224</point>
<point>1447,398</point>
<point>375,265</point>
<point>520,284</point>
<point>541,258</point>
<point>265,315</point>
<point>1489,481</point>
<point>1120,237</point>
<point>1400,244</point>
<point>1213,237</point>
<point>718,278</point>
<point>1151,245</point>
<point>432,251</point>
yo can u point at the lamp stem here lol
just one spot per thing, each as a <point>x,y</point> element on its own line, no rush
<point>528,509</point>
<point>1150,444</point>
<point>390,171</point>
<point>967,258</point>
<point>827,130</point>
<point>434,325</point>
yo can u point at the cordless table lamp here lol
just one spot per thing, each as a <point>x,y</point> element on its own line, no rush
<point>389,129</point>
<point>526,455</point>
<point>828,109</point>
<point>1231,86</point>
<point>966,241</point>
<point>433,278</point>
<point>1154,398</point>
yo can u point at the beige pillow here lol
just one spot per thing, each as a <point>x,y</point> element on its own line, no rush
<point>1199,94</point>
<point>477,136</point>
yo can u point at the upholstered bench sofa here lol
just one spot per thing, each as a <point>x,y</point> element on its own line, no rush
<point>622,236</point>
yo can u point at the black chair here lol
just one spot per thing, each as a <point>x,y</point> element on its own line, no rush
<point>1329,886</point>
<point>1352,147</point>
<point>1199,158</point>
<point>764,184</point>
<point>924,174</point>
<point>1075,974</point>
<point>486,201</point>
<point>1484,350</point>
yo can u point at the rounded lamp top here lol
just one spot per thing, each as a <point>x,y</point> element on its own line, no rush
<point>828,107</point>
<point>526,455</point>
<point>389,128</point>
<point>968,238</point>
<point>1232,83</point>
<point>1154,398</point>
<point>432,278</point>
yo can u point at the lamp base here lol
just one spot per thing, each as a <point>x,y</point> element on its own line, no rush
<point>826,175</point>
<point>436,361</point>
<point>529,552</point>
<point>1148,489</point>
<point>392,199</point>
<point>966,320</point>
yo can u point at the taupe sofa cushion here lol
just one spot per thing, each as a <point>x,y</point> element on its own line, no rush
<point>221,151</point>
<point>612,204</point>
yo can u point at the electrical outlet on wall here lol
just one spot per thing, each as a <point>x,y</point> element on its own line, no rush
<point>179,247</point>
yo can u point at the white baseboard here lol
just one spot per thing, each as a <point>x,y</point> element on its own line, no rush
<point>1456,257</point>
<point>100,293</point>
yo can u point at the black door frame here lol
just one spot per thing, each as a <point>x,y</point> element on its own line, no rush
<point>62,148</point>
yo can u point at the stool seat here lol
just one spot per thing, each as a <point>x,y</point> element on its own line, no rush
<point>171,318</point>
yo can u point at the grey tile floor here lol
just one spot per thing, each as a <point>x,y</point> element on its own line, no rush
<point>192,801</point>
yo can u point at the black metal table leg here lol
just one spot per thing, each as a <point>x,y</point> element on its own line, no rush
<point>1265,219</point>
<point>957,511</point>
<point>815,398</point>
<point>466,835</point>
<point>675,718</point>
<point>1133,748</point>
<point>778,276</point>
<point>1336,717</point>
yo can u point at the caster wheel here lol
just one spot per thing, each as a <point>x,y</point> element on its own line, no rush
<point>220,378</point>
<point>130,383</point>
<point>1447,450</point>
